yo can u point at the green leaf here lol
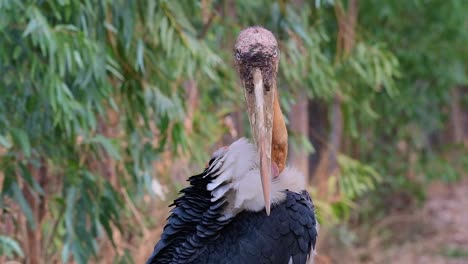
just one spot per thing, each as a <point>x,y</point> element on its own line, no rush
<point>5,142</point>
<point>26,175</point>
<point>21,138</point>
<point>78,60</point>
<point>32,25</point>
<point>65,252</point>
<point>9,247</point>
<point>109,146</point>
<point>140,55</point>
<point>18,196</point>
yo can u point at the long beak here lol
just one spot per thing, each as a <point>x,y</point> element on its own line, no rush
<point>260,108</point>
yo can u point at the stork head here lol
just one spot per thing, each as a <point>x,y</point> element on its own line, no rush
<point>257,55</point>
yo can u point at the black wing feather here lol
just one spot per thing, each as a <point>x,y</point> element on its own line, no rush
<point>253,237</point>
<point>194,233</point>
<point>192,222</point>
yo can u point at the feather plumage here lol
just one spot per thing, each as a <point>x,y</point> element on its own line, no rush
<point>214,222</point>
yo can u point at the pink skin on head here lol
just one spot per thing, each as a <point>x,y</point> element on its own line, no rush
<point>274,170</point>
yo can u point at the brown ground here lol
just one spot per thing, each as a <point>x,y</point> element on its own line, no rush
<point>446,213</point>
<point>435,234</point>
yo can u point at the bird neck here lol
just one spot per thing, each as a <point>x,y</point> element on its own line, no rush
<point>279,150</point>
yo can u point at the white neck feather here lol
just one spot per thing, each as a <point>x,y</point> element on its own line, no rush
<point>239,179</point>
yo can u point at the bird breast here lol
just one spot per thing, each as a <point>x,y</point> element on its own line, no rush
<point>236,178</point>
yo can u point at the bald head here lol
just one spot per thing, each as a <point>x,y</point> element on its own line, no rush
<point>256,41</point>
<point>256,47</point>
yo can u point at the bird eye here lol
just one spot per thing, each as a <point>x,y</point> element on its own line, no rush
<point>238,55</point>
<point>275,53</point>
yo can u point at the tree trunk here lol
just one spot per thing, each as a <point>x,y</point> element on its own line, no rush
<point>38,207</point>
<point>456,117</point>
<point>336,133</point>
<point>299,125</point>
<point>328,165</point>
<point>318,123</point>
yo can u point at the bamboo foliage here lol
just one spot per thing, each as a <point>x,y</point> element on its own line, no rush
<point>70,62</point>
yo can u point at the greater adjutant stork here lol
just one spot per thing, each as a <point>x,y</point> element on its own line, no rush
<point>247,206</point>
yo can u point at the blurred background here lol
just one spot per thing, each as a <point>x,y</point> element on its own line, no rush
<point>106,107</point>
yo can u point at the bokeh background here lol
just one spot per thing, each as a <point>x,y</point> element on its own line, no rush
<point>106,107</point>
